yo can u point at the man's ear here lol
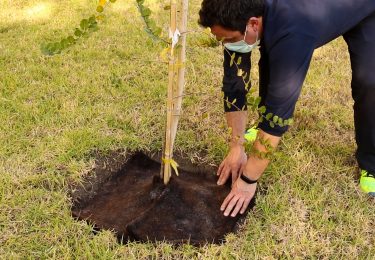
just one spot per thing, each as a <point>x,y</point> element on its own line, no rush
<point>253,23</point>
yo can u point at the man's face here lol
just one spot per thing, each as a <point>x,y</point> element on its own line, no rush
<point>253,32</point>
<point>225,35</point>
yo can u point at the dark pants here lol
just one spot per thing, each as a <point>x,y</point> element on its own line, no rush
<point>361,43</point>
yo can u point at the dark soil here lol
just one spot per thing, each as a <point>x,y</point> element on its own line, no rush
<point>136,205</point>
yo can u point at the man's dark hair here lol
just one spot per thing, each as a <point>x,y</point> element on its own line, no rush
<point>230,14</point>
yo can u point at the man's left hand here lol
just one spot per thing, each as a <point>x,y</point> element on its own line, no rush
<point>239,198</point>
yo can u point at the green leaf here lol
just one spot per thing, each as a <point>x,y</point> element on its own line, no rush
<point>84,24</point>
<point>253,108</point>
<point>64,43</point>
<point>46,49</point>
<point>272,124</point>
<point>239,60</point>
<point>78,32</point>
<point>257,101</point>
<point>262,109</point>
<point>151,24</point>
<point>146,11</point>
<point>275,119</point>
<point>92,19</point>
<point>268,116</point>
<point>228,103</point>
<point>146,19</point>
<point>71,40</point>
<point>55,47</point>
<point>100,9</point>
<point>157,31</point>
<point>247,86</point>
<point>93,26</point>
<point>232,59</point>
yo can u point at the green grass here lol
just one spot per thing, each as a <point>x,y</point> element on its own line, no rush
<point>108,92</point>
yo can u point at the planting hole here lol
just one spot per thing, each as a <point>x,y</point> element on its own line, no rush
<point>131,199</point>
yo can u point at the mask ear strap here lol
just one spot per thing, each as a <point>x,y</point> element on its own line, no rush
<point>244,38</point>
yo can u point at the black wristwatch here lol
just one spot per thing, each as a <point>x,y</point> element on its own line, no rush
<point>247,180</point>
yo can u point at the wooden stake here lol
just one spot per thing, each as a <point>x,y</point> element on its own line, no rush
<point>178,95</point>
<point>171,81</point>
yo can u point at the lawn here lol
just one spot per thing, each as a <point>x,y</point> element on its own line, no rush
<point>108,92</point>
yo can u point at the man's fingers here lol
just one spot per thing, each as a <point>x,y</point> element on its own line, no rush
<point>245,205</point>
<point>226,201</point>
<point>224,175</point>
<point>230,206</point>
<point>221,167</point>
<point>238,207</point>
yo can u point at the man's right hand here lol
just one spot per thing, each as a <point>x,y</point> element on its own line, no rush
<point>232,165</point>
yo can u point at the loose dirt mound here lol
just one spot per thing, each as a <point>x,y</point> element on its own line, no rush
<point>137,206</point>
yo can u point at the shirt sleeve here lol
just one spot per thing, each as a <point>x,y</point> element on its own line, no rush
<point>234,87</point>
<point>288,62</point>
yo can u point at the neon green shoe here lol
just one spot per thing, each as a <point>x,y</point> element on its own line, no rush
<point>367,182</point>
<point>251,134</point>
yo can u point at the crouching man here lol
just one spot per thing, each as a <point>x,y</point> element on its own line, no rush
<point>288,32</point>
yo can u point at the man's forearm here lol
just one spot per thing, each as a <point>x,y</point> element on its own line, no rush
<point>255,165</point>
<point>237,122</point>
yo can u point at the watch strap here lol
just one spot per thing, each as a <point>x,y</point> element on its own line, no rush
<point>247,180</point>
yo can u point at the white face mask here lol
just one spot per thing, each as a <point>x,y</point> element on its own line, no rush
<point>242,46</point>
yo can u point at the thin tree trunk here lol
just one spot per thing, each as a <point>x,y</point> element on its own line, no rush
<point>178,95</point>
<point>168,133</point>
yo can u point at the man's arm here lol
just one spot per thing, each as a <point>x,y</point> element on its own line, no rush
<point>286,65</point>
<point>237,122</point>
<point>235,161</point>
<point>235,107</point>
<point>255,165</point>
<point>239,198</point>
